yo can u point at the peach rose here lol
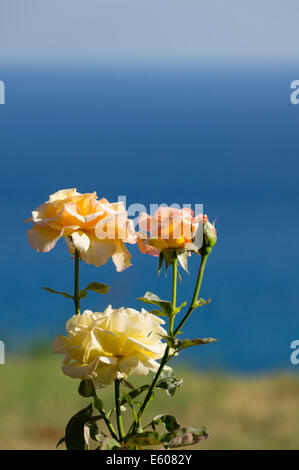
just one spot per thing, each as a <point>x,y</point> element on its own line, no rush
<point>96,228</point>
<point>169,228</point>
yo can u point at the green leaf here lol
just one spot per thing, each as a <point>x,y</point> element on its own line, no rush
<point>91,431</point>
<point>109,444</point>
<point>169,382</point>
<point>179,344</point>
<point>184,437</point>
<point>128,397</point>
<point>68,296</point>
<point>178,437</point>
<point>165,305</point>
<point>95,287</point>
<point>86,388</point>
<point>98,404</point>
<point>168,421</point>
<point>95,434</point>
<point>150,298</point>
<point>144,439</point>
<point>159,313</point>
<point>60,442</point>
<point>74,433</point>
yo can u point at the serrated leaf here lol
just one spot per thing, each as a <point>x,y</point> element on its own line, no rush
<point>150,298</point>
<point>95,287</point>
<point>144,439</point>
<point>168,421</point>
<point>158,312</point>
<point>86,388</point>
<point>179,345</point>
<point>169,382</point>
<point>65,294</point>
<point>74,433</point>
<point>185,437</point>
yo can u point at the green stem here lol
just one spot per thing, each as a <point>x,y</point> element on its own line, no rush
<point>76,288</point>
<point>153,384</point>
<point>106,419</point>
<point>118,410</point>
<point>173,300</point>
<point>165,357</point>
<point>195,295</point>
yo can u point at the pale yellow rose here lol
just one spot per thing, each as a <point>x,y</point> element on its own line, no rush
<point>109,345</point>
<point>96,228</point>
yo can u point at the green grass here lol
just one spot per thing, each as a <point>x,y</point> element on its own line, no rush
<point>36,401</point>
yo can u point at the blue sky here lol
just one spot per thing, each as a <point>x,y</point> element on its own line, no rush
<point>149,30</point>
<point>222,135</point>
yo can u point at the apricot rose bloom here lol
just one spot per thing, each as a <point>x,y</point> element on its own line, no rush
<point>96,228</point>
<point>109,345</point>
<point>169,228</point>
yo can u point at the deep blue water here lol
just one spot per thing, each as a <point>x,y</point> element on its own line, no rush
<point>224,137</point>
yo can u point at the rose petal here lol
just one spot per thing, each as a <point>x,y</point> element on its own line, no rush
<point>77,370</point>
<point>121,257</point>
<point>156,349</point>
<point>43,239</point>
<point>81,241</point>
<point>106,374</point>
<point>63,194</point>
<point>60,345</point>
<point>98,253</point>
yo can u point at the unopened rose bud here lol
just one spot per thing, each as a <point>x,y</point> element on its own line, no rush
<point>209,238</point>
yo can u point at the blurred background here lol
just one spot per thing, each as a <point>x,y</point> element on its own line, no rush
<point>163,102</point>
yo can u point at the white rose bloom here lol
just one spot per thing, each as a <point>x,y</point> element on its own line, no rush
<point>110,345</point>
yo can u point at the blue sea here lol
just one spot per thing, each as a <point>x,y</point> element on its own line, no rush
<point>223,136</point>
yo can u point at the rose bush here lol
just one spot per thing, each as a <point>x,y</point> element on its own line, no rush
<point>105,348</point>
